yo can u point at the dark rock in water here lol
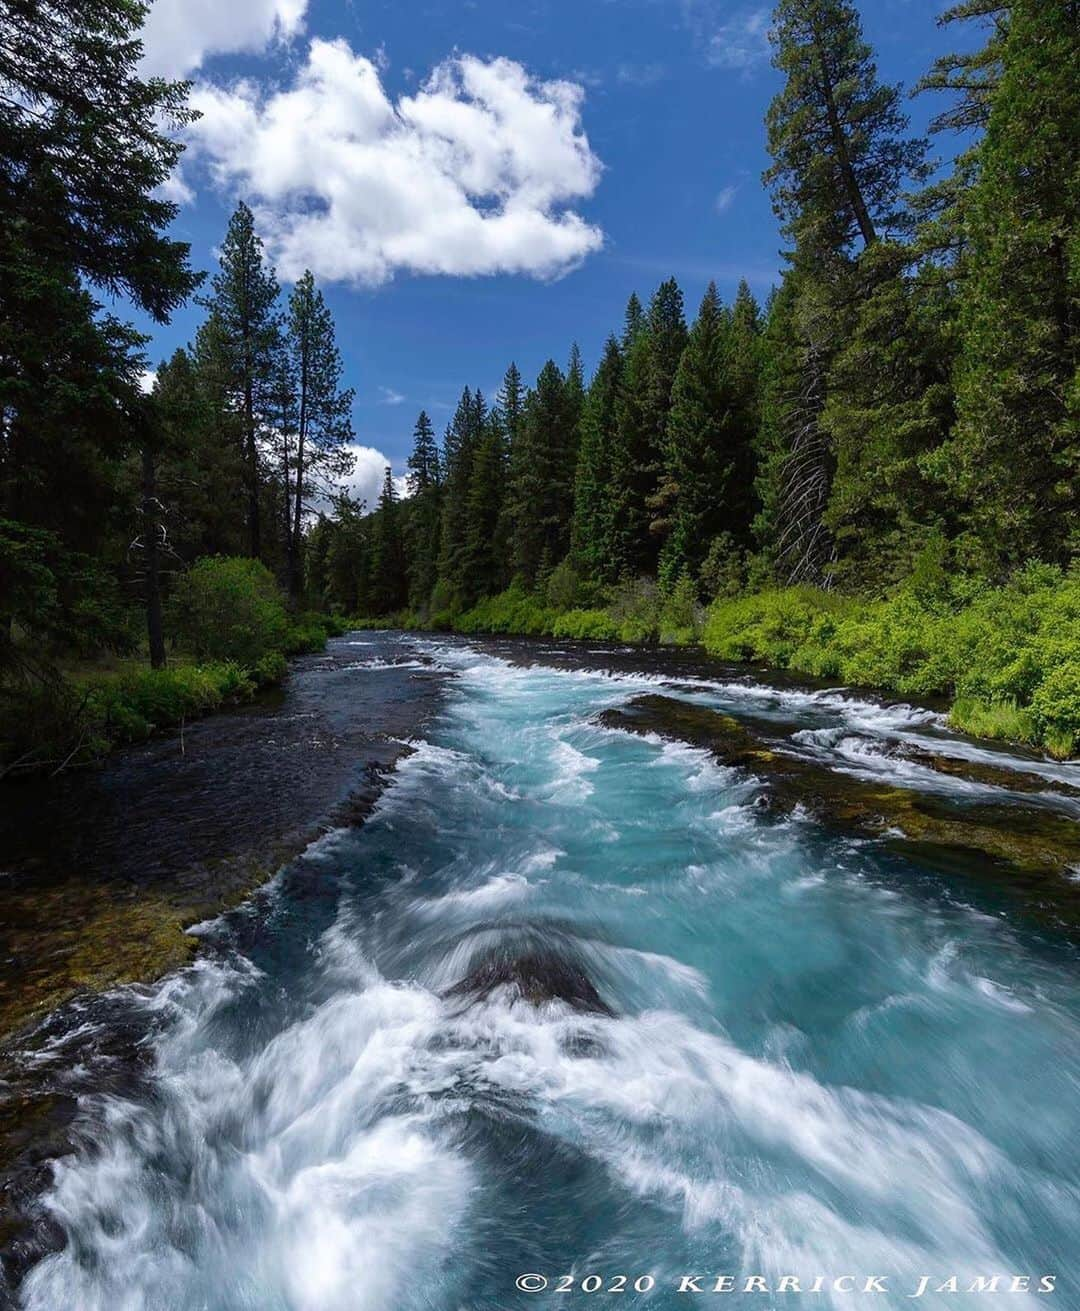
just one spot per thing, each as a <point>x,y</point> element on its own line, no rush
<point>538,976</point>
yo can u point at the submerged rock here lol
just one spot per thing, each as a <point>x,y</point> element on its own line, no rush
<point>538,975</point>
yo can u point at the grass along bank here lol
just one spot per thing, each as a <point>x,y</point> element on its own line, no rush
<point>1007,657</point>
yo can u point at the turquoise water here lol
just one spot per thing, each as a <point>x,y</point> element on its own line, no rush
<point>819,1061</point>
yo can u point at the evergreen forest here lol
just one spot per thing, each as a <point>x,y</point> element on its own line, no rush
<point>871,476</point>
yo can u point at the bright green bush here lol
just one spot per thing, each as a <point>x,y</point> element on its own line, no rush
<point>132,706</point>
<point>1010,655</point>
<point>591,625</point>
<point>228,608</point>
<point>302,638</point>
<point>999,719</point>
<point>564,589</point>
<point>271,669</point>
<point>512,611</point>
<point>635,609</point>
<point>1056,706</point>
<point>680,619</point>
<point>773,626</point>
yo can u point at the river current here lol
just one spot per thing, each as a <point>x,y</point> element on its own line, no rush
<point>765,1049</point>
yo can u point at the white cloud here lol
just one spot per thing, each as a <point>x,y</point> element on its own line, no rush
<point>742,43</point>
<point>726,198</point>
<point>179,34</point>
<point>147,381</point>
<point>366,480</point>
<point>642,75</point>
<point>176,189</point>
<point>472,175</point>
<point>388,396</point>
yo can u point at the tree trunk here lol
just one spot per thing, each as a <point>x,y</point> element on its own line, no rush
<point>151,542</point>
<point>252,458</point>
<point>296,536</point>
<point>847,169</point>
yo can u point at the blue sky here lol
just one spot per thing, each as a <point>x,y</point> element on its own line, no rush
<point>621,141</point>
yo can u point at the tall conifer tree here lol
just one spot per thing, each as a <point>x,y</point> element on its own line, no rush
<point>592,530</point>
<point>1017,445</point>
<point>425,487</point>
<point>244,305</point>
<point>389,585</point>
<point>841,157</point>
<point>323,415</point>
<point>543,478</point>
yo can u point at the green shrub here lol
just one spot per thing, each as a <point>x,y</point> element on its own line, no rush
<point>680,618</point>
<point>635,609</point>
<point>1009,656</point>
<point>999,719</point>
<point>132,706</point>
<point>723,571</point>
<point>271,669</point>
<point>594,625</point>
<point>512,611</point>
<point>772,626</point>
<point>1056,706</point>
<point>229,608</point>
<point>302,638</point>
<point>565,589</point>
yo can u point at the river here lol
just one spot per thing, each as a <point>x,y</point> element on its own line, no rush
<point>577,1001</point>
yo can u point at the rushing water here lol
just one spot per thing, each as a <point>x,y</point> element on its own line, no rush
<point>817,1061</point>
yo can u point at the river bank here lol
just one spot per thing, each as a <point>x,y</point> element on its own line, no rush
<point>1005,658</point>
<point>104,871</point>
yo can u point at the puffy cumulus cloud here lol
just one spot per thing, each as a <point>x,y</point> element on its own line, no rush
<point>180,34</point>
<point>474,174</point>
<point>366,480</point>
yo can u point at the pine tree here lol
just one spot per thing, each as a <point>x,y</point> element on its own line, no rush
<point>836,134</point>
<point>323,422</point>
<point>667,337</point>
<point>795,461</point>
<point>423,463</point>
<point>841,157</point>
<point>510,416</point>
<point>349,559</point>
<point>425,479</point>
<point>631,461</point>
<point>592,530</point>
<point>575,391</point>
<point>485,556</point>
<point>654,346</point>
<point>86,143</point>
<point>1016,450</point>
<point>200,469</point>
<point>511,405</point>
<point>711,433</point>
<point>889,409</point>
<point>389,585</point>
<point>743,365</point>
<point>85,146</point>
<point>459,452</point>
<point>633,321</point>
<point>244,305</point>
<point>543,479</point>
